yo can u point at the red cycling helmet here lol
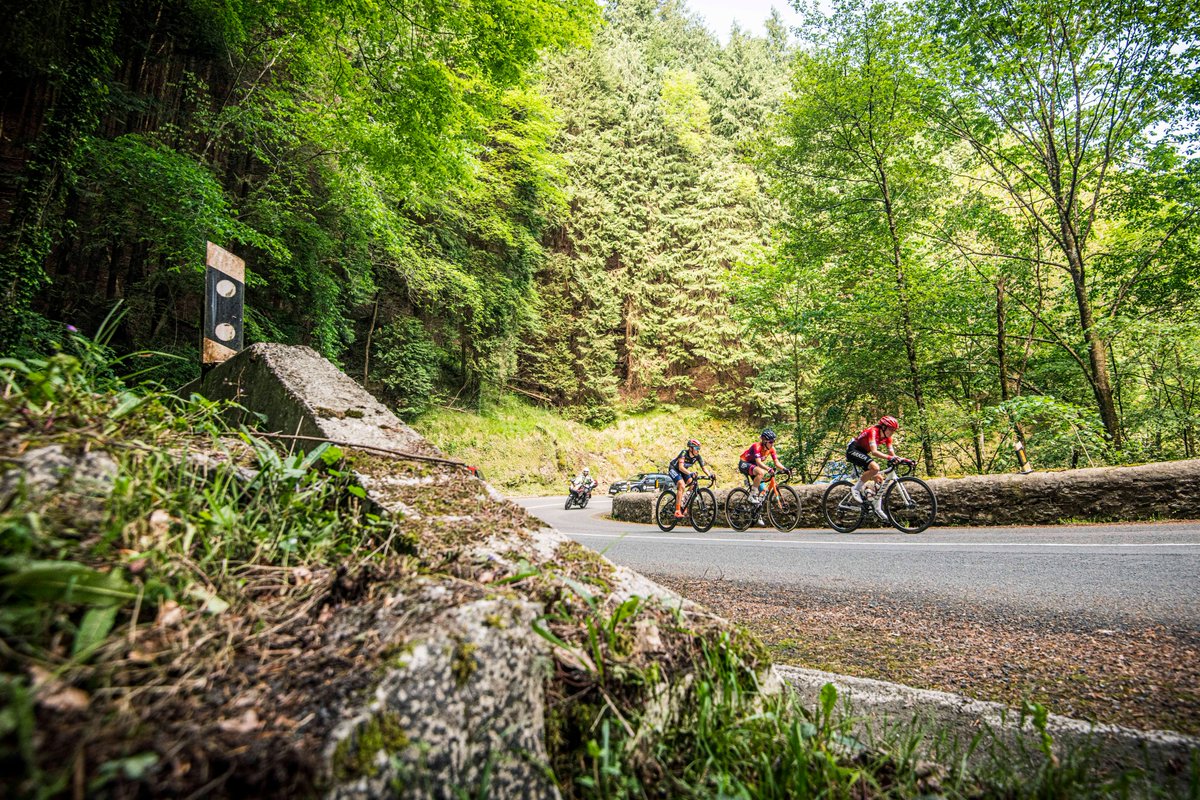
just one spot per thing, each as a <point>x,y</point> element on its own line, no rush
<point>694,443</point>
<point>890,422</point>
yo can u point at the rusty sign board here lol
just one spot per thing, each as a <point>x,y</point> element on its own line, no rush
<point>224,305</point>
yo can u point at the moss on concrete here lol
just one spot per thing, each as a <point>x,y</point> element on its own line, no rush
<point>355,756</point>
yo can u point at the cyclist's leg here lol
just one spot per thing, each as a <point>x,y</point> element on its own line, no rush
<point>747,471</point>
<point>862,460</point>
<point>677,477</point>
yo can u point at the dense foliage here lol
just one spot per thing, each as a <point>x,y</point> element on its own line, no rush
<point>980,216</point>
<point>372,161</point>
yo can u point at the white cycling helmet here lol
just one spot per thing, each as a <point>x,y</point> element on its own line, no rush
<point>585,470</point>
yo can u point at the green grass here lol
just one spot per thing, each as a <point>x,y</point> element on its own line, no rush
<point>524,449</point>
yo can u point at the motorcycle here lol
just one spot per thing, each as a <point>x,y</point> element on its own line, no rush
<point>578,496</point>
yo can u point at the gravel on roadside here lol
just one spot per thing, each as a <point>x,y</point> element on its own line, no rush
<point>1137,674</point>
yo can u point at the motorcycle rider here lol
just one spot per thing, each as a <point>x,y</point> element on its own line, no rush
<point>583,482</point>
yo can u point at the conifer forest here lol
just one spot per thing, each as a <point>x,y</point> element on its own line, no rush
<point>982,216</point>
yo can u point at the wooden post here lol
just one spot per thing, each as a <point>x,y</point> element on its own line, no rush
<point>224,306</point>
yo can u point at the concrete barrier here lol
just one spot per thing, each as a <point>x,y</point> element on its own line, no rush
<point>1168,490</point>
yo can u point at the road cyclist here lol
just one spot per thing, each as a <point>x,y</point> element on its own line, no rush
<point>699,506</point>
<point>875,442</point>
<point>894,495</point>
<point>680,471</point>
<point>759,465</point>
<point>753,464</point>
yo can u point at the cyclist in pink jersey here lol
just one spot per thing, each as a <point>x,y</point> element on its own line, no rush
<point>874,442</point>
<point>753,462</point>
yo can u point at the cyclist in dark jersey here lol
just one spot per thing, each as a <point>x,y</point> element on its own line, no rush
<point>681,474</point>
<point>753,461</point>
<point>874,442</point>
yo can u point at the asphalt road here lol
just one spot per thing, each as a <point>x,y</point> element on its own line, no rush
<point>1108,573</point>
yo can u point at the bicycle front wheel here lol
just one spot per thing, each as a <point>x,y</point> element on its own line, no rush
<point>841,510</point>
<point>783,508</point>
<point>910,504</point>
<point>664,511</point>
<point>567,505</point>
<point>702,511</point>
<point>739,510</point>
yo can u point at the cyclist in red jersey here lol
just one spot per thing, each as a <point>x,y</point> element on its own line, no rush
<point>753,462</point>
<point>874,442</point>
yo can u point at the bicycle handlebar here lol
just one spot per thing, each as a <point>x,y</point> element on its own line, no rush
<point>787,475</point>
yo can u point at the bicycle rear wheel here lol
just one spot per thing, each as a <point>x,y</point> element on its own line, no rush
<point>702,511</point>
<point>841,510</point>
<point>783,508</point>
<point>910,504</point>
<point>664,511</point>
<point>739,510</point>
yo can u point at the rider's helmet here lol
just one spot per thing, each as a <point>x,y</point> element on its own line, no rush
<point>694,443</point>
<point>585,470</point>
<point>768,434</point>
<point>889,421</point>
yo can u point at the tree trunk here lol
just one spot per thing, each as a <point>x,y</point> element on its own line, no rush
<point>906,317</point>
<point>1097,350</point>
<point>1002,356</point>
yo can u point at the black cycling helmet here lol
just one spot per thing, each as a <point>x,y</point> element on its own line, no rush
<point>768,434</point>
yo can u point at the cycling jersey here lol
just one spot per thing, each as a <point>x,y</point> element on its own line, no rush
<point>685,460</point>
<point>871,439</point>
<point>757,454</point>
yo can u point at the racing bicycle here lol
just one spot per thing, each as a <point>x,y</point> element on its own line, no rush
<point>698,503</point>
<point>780,503</point>
<point>908,502</point>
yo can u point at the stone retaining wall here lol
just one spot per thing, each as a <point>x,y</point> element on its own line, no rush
<point>1169,490</point>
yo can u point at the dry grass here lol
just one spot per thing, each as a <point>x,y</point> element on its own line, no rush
<point>1139,675</point>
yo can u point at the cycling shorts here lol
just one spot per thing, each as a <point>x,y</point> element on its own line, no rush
<point>858,457</point>
<point>676,475</point>
<point>745,467</point>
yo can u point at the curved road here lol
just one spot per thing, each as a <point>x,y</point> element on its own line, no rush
<point>1146,572</point>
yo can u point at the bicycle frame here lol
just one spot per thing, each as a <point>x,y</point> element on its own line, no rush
<point>890,477</point>
<point>771,492</point>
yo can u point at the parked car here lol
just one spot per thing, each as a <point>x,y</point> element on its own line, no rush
<point>651,482</point>
<point>834,471</point>
<point>616,487</point>
<point>644,482</point>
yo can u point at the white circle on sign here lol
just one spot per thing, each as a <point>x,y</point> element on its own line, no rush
<point>226,288</point>
<point>225,332</point>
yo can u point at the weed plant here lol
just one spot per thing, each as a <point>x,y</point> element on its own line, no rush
<point>185,517</point>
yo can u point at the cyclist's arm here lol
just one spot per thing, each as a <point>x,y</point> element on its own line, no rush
<point>873,449</point>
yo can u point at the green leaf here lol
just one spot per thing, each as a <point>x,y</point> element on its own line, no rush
<point>212,603</point>
<point>68,582</point>
<point>93,630</point>
<point>129,403</point>
<point>829,695</point>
